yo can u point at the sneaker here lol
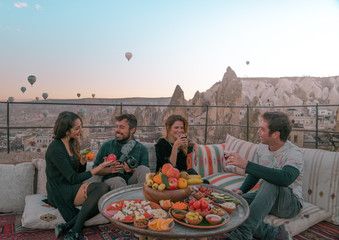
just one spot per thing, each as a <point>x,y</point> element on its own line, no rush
<point>282,233</point>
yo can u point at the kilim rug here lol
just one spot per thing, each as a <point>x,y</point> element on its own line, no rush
<point>10,230</point>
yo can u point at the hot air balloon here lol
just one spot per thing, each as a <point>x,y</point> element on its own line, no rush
<point>23,89</point>
<point>128,55</point>
<point>31,79</point>
<point>247,62</point>
<point>45,95</point>
<point>11,99</point>
<point>93,95</point>
<point>37,98</point>
<point>78,94</point>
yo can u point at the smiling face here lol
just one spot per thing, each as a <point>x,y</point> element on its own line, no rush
<point>76,130</point>
<point>176,130</point>
<point>122,131</point>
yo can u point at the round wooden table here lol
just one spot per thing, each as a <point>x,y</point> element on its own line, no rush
<point>179,231</point>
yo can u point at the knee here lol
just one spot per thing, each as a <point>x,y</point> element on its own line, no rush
<point>143,169</point>
<point>264,185</point>
<point>104,187</point>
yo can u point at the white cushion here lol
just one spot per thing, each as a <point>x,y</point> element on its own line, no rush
<point>17,181</point>
<point>40,165</point>
<point>321,180</point>
<point>308,216</point>
<point>39,215</point>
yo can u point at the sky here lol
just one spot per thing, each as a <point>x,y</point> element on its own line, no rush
<point>79,46</point>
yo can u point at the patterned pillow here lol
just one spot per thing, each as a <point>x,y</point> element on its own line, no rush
<point>17,181</point>
<point>39,215</point>
<point>321,180</point>
<point>245,150</point>
<point>308,216</point>
<point>209,161</point>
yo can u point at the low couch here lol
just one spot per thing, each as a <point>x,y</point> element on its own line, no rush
<point>23,185</point>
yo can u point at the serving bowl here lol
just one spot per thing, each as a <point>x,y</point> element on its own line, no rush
<point>177,195</point>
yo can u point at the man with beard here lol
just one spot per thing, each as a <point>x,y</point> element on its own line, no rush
<point>132,164</point>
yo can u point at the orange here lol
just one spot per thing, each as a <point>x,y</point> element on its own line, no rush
<point>166,167</point>
<point>182,183</point>
<point>157,179</point>
<point>173,173</point>
<point>90,155</point>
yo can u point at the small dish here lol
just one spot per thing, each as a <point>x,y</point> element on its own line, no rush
<point>218,211</point>
<point>141,223</point>
<point>170,227</point>
<point>165,204</point>
<point>213,219</point>
<point>202,213</point>
<point>194,222</point>
<point>229,206</point>
<point>178,214</point>
<point>198,195</point>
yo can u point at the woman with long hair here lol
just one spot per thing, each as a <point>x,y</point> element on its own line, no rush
<point>174,146</point>
<point>66,172</point>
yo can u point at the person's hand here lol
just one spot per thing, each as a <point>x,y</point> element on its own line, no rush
<point>181,141</point>
<point>237,191</point>
<point>127,168</point>
<point>235,160</point>
<point>116,167</point>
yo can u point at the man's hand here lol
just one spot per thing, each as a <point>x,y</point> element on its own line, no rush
<point>127,168</point>
<point>116,167</point>
<point>235,160</point>
<point>237,191</point>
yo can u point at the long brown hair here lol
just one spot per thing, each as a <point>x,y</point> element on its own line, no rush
<point>170,121</point>
<point>64,123</point>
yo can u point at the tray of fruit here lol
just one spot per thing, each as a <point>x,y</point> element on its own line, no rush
<point>169,184</point>
<point>128,211</point>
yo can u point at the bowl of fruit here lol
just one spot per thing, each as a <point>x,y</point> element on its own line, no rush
<point>167,184</point>
<point>193,218</point>
<point>200,206</point>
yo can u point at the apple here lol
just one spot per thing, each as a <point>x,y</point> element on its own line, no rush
<point>173,182</point>
<point>110,158</point>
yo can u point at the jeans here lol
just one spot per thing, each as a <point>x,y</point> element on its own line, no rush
<point>268,199</point>
<point>137,177</point>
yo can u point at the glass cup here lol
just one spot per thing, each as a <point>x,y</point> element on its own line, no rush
<point>228,165</point>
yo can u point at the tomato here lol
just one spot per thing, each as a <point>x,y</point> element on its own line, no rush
<point>128,218</point>
<point>191,202</point>
<point>196,205</point>
<point>203,204</point>
<point>147,215</point>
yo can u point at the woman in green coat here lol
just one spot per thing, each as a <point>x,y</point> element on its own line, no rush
<point>66,171</point>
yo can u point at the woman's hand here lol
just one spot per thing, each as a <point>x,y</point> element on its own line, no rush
<point>116,167</point>
<point>181,141</point>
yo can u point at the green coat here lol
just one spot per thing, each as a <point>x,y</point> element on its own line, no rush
<point>63,179</point>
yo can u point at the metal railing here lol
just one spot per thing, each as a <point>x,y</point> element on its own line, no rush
<point>245,122</point>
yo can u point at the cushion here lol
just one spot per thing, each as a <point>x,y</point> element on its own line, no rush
<point>321,180</point>
<point>308,216</point>
<point>245,150</point>
<point>17,181</point>
<point>226,180</point>
<point>40,165</point>
<point>209,161</point>
<point>39,215</point>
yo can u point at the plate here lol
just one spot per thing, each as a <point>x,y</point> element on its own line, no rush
<point>115,207</point>
<point>171,226</point>
<point>204,223</point>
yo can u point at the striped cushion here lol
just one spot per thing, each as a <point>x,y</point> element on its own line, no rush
<point>228,180</point>
<point>321,180</point>
<point>308,216</point>
<point>209,160</point>
<point>245,150</point>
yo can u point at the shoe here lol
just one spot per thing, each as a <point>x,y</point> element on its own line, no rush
<point>60,229</point>
<point>282,233</point>
<point>70,235</point>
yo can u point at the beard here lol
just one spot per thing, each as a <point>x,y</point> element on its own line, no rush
<point>124,138</point>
